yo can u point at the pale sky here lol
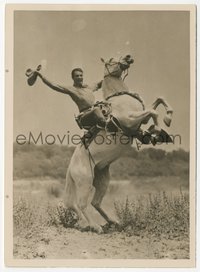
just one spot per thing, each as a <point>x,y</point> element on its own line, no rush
<point>63,40</point>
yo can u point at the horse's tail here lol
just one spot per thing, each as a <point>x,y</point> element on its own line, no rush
<point>70,196</point>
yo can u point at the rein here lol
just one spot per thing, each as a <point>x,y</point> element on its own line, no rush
<point>134,95</point>
<point>91,159</point>
<point>125,74</point>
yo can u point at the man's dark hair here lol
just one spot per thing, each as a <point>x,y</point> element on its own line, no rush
<point>74,70</point>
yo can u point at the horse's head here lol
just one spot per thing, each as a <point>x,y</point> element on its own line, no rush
<point>126,62</point>
<point>117,67</point>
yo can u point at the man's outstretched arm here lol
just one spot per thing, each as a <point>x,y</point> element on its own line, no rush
<point>54,86</point>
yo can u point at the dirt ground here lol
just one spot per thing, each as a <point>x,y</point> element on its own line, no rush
<point>61,243</point>
<point>58,242</point>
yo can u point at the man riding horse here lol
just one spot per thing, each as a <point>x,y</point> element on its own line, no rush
<point>125,111</point>
<point>96,116</point>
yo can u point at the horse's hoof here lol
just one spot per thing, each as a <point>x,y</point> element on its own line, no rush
<point>96,228</point>
<point>111,226</point>
<point>113,223</point>
<point>84,229</point>
<point>167,119</point>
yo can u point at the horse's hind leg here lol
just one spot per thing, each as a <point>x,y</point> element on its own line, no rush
<point>83,179</point>
<point>79,186</point>
<point>82,200</point>
<point>101,181</point>
<point>70,196</point>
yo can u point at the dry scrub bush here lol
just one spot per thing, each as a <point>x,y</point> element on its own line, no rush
<point>30,215</point>
<point>24,215</point>
<point>59,215</point>
<point>67,217</point>
<point>158,215</point>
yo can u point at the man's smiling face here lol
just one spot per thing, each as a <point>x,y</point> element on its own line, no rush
<point>78,78</point>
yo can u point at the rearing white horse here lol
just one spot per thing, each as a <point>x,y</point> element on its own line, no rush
<point>130,113</point>
<point>89,168</point>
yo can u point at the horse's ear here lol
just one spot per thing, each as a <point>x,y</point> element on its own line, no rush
<point>110,59</point>
<point>102,60</point>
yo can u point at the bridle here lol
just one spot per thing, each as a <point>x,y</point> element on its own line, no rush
<point>119,65</point>
<point>111,73</point>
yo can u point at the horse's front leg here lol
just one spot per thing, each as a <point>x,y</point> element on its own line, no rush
<point>155,128</point>
<point>142,117</point>
<point>168,117</point>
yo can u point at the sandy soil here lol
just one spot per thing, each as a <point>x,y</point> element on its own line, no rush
<point>61,243</point>
<point>57,242</point>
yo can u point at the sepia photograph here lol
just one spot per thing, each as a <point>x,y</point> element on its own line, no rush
<point>100,135</point>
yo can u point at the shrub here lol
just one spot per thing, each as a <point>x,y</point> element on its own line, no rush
<point>67,217</point>
<point>24,215</point>
<point>159,214</point>
<point>59,215</point>
<point>30,215</point>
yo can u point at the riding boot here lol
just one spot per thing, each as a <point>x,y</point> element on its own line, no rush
<point>89,136</point>
<point>112,125</point>
<point>143,136</point>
